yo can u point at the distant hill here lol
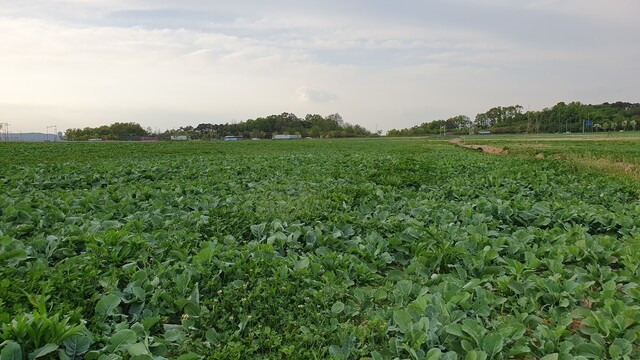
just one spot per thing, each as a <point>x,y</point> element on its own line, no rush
<point>31,137</point>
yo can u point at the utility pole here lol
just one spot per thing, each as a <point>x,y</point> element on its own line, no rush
<point>5,132</point>
<point>55,131</point>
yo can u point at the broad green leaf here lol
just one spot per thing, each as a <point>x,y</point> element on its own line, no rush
<point>142,357</point>
<point>107,304</point>
<point>172,335</point>
<point>476,355</point>
<point>403,319</point>
<point>139,293</point>
<point>379,294</point>
<point>61,355</point>
<point>13,257</point>
<point>258,230</point>
<point>121,340</point>
<point>149,322</point>
<point>519,350</point>
<point>303,263</point>
<point>553,356</point>
<point>337,308</point>
<point>237,284</point>
<point>138,349</point>
<point>158,349</point>
<point>190,356</point>
<point>138,329</point>
<point>492,344</point>
<point>474,330</point>
<point>434,354</point>
<point>212,336</point>
<point>620,348</point>
<point>76,346</point>
<point>590,350</point>
<point>337,351</point>
<point>43,351</point>
<point>11,351</point>
<point>454,329</point>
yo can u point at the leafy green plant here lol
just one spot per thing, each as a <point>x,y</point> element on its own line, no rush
<point>37,335</point>
<point>346,249</point>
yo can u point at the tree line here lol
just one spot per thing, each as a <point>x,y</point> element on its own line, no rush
<point>562,117</point>
<point>115,131</point>
<point>312,125</point>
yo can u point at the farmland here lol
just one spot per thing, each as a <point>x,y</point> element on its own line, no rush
<point>345,249</point>
<point>616,153</point>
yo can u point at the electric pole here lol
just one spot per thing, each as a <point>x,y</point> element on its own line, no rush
<point>5,130</point>
<point>55,131</point>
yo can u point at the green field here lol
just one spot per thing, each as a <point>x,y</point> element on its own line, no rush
<point>345,249</point>
<point>616,153</point>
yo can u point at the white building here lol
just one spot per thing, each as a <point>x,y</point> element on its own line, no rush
<point>286,137</point>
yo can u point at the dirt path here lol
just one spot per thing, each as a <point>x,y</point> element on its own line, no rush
<point>484,148</point>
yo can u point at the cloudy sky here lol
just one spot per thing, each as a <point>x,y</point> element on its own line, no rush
<point>384,64</point>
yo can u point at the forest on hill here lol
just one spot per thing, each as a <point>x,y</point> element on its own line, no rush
<point>571,117</point>
<point>312,125</point>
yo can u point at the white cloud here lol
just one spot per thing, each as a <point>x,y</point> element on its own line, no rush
<point>309,95</point>
<point>67,63</point>
<point>614,12</point>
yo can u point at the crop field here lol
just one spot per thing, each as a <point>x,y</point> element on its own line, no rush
<point>314,249</point>
<point>617,153</point>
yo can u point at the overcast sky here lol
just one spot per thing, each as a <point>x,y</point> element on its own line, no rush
<point>390,64</point>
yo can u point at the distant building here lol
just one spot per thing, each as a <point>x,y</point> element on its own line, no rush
<point>286,137</point>
<point>232,138</point>
<point>179,138</point>
<point>484,132</point>
<point>92,140</point>
<point>148,139</point>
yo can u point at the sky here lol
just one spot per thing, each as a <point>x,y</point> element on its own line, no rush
<point>381,64</point>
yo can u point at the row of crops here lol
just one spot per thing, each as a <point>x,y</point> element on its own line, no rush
<point>349,249</point>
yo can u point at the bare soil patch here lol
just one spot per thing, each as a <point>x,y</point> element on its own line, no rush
<point>484,148</point>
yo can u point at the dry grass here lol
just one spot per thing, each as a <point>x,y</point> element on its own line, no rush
<point>485,148</point>
<point>608,165</point>
<point>599,163</point>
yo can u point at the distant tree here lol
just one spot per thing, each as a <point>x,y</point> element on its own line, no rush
<point>560,118</point>
<point>336,118</point>
<point>115,131</point>
<point>285,123</point>
<point>499,116</point>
